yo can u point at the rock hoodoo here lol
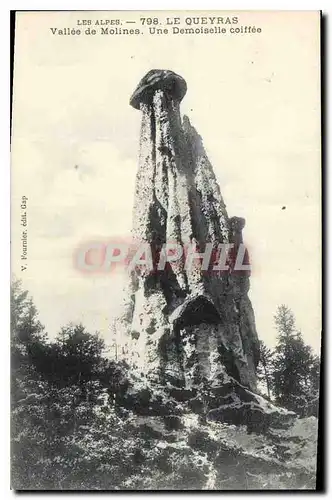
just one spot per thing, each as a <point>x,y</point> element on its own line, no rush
<point>184,325</point>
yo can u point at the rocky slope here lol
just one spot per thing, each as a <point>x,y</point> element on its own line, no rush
<point>198,441</point>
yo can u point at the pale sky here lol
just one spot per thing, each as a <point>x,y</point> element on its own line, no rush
<point>255,101</point>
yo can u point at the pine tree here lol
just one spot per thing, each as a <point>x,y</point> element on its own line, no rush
<point>27,385</point>
<point>293,363</point>
<point>25,325</point>
<point>27,337</point>
<point>313,390</point>
<point>265,367</point>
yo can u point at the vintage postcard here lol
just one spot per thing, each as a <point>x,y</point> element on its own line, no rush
<point>166,250</point>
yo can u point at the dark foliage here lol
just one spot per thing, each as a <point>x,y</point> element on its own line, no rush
<point>294,368</point>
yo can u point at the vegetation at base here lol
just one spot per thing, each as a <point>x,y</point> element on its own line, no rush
<point>291,372</point>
